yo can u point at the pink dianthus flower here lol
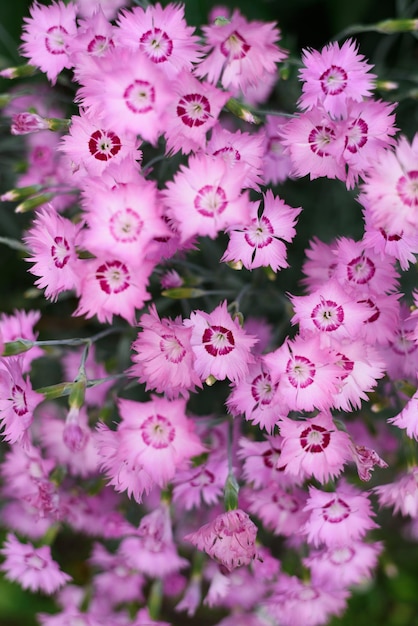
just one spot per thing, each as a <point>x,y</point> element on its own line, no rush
<point>46,34</point>
<point>338,518</point>
<point>52,242</point>
<point>33,568</point>
<point>334,75</point>
<point>221,346</point>
<point>240,52</point>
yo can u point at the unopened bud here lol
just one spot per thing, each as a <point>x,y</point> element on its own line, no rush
<point>26,122</point>
<point>397,26</point>
<point>17,347</point>
<point>20,193</point>
<point>74,437</point>
<point>33,203</point>
<point>179,293</point>
<point>20,71</point>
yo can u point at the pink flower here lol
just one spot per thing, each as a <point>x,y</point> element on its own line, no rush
<point>239,150</point>
<point>390,188</point>
<point>17,401</point>
<point>20,325</point>
<point>255,397</point>
<point>25,123</point>
<point>205,197</point>
<point>331,312</point>
<point>94,37</point>
<point>52,242</point>
<point>153,551</point>
<point>279,508</point>
<point>229,539</point>
<point>162,34</point>
<point>153,440</point>
<point>110,286</point>
<point>126,91</point>
<point>163,358</point>
<point>92,148</point>
<point>261,243</point>
<point>122,219</point>
<point>337,518</point>
<point>116,581</point>
<point>361,271</point>
<point>46,34</point>
<point>277,165</point>
<point>390,241</point>
<point>221,346</point>
<point>109,7</point>
<point>370,126</point>
<point>315,143</point>
<point>343,566</point>
<point>307,373</point>
<point>314,447</point>
<point>298,603</point>
<point>194,110</point>
<point>334,75</point>
<point>33,568</point>
<point>401,494</point>
<point>407,419</point>
<point>204,483</point>
<point>240,51</point>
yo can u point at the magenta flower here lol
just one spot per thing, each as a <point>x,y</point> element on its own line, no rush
<point>334,75</point>
<point>33,568</point>
<point>221,346</point>
<point>229,539</point>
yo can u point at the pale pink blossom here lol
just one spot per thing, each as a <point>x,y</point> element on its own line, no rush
<point>163,356</point>
<point>339,517</point>
<point>33,568</point>
<point>343,566</point>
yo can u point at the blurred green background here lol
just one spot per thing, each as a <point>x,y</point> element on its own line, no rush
<point>329,210</point>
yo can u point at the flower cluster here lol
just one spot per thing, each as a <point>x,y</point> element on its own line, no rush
<point>242,412</point>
